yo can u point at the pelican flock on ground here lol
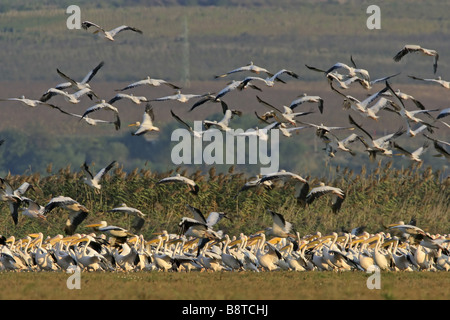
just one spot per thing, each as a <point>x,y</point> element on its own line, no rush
<point>200,244</point>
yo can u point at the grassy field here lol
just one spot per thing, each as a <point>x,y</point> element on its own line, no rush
<point>227,286</point>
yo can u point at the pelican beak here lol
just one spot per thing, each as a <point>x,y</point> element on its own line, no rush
<point>274,240</point>
<point>133,125</point>
<point>94,225</point>
<point>34,235</point>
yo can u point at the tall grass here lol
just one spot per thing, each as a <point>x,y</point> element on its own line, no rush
<point>374,199</point>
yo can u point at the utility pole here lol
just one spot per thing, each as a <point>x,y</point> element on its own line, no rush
<point>186,62</point>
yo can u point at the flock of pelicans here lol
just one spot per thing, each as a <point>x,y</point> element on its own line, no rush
<point>197,246</point>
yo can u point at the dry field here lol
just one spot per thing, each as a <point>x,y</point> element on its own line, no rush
<point>227,286</point>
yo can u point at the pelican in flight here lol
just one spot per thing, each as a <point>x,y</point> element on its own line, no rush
<point>233,85</point>
<point>178,96</point>
<point>415,155</point>
<point>77,212</point>
<point>139,217</point>
<point>283,176</point>
<point>280,228</point>
<point>147,122</point>
<point>108,34</point>
<point>337,194</point>
<point>33,209</point>
<point>377,146</point>
<point>102,105</point>
<point>195,134</point>
<point>94,181</point>
<point>305,98</point>
<point>286,116</point>
<point>249,67</point>
<point>334,144</point>
<point>445,84</point>
<point>29,102</point>
<point>268,185</point>
<point>13,197</point>
<point>262,133</point>
<point>412,48</point>
<point>270,81</point>
<point>149,82</point>
<point>94,122</point>
<point>84,83</point>
<point>223,124</point>
<point>119,234</point>
<point>352,71</point>
<point>72,98</point>
<point>132,98</point>
<point>77,86</point>
<point>193,187</point>
<point>322,130</point>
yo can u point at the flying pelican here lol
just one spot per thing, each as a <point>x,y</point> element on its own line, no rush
<point>417,49</point>
<point>94,181</point>
<point>443,113</point>
<point>194,228</point>
<point>420,235</point>
<point>108,34</point>
<point>261,133</point>
<point>378,146</point>
<point>268,185</point>
<point>147,122</point>
<point>443,83</point>
<point>118,233</point>
<point>281,228</point>
<point>33,209</point>
<point>94,122</point>
<point>77,86</point>
<point>102,105</point>
<point>178,96</point>
<point>150,82</point>
<point>196,134</point>
<point>13,197</point>
<point>193,187</point>
<point>249,67</point>
<point>334,144</point>
<point>223,124</point>
<point>305,98</point>
<point>270,81</point>
<point>338,195</point>
<point>84,83</point>
<point>77,212</point>
<point>72,98</point>
<point>437,145</point>
<point>322,130</point>
<point>415,155</point>
<point>133,98</point>
<point>286,116</point>
<point>29,102</point>
<point>213,217</point>
<point>362,107</point>
<point>351,70</point>
<point>138,221</point>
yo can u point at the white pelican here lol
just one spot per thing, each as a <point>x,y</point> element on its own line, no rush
<point>193,228</point>
<point>282,175</point>
<point>118,233</point>
<point>362,107</point>
<point>33,209</point>
<point>77,212</point>
<point>351,70</point>
<point>417,49</point>
<point>280,228</point>
<point>445,84</point>
<point>108,34</point>
<point>322,129</point>
<point>285,116</point>
<point>87,257</point>
<point>13,197</point>
<point>414,132</point>
<point>94,181</point>
<point>443,113</point>
<point>334,144</point>
<point>213,217</point>
<point>233,85</point>
<point>73,98</point>
<point>94,122</point>
<point>84,83</point>
<point>440,148</point>
<point>414,155</point>
<point>193,187</point>
<point>150,82</point>
<point>223,124</point>
<point>101,105</point>
<point>262,133</point>
<point>270,81</point>
<point>78,86</point>
<point>249,67</point>
<point>195,134</point>
<point>178,96</point>
<point>338,195</point>
<point>306,98</point>
<point>147,122</point>
<point>378,146</point>
<point>29,102</point>
<point>133,98</point>
<point>268,185</point>
<point>138,221</point>
<point>420,235</point>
